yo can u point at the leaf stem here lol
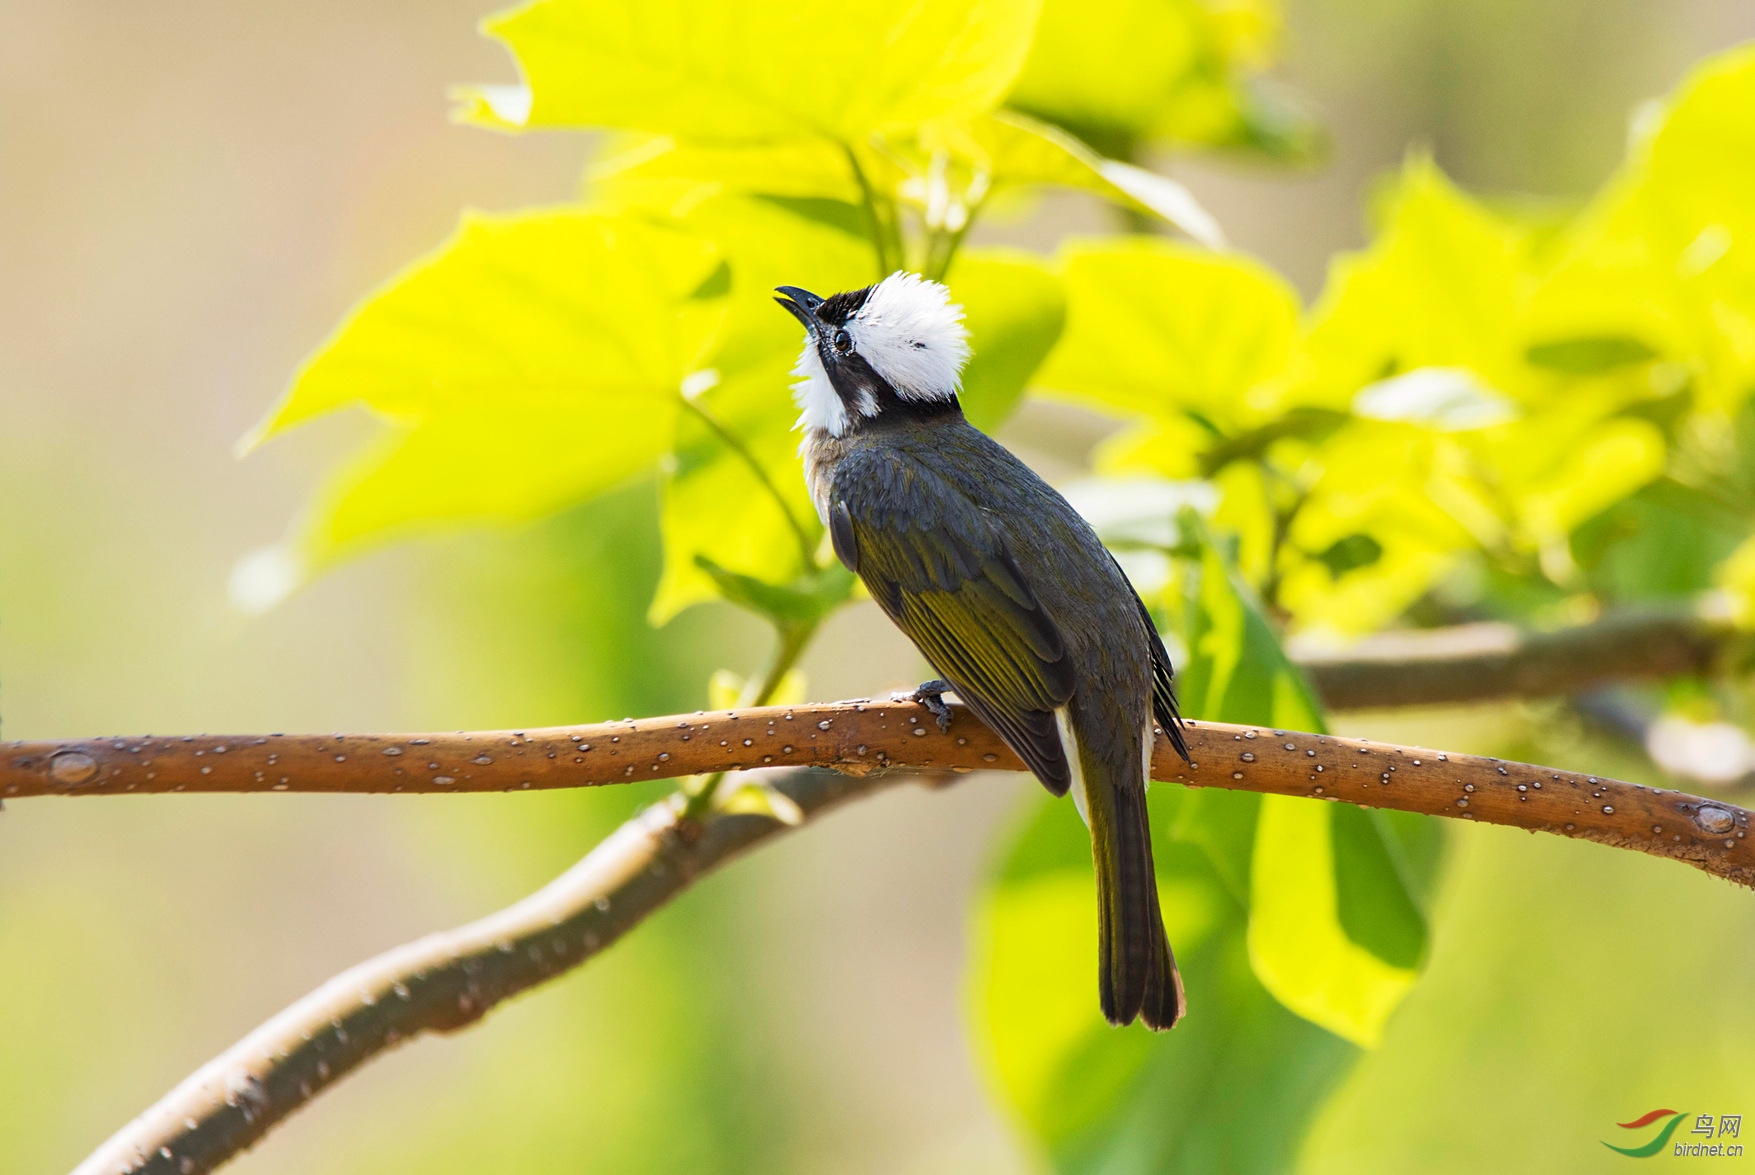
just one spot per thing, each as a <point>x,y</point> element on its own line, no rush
<point>1284,516</point>
<point>886,237</point>
<point>942,249</point>
<point>807,547</point>
<point>791,640</point>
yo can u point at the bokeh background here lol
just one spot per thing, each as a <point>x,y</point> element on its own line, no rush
<point>192,194</point>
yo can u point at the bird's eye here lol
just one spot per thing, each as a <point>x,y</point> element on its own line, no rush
<point>843,341</point>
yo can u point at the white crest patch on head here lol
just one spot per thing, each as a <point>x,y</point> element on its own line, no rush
<point>913,335</point>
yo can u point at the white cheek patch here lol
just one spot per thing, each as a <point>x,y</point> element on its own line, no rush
<point>819,404</point>
<point>819,407</point>
<point>913,335</point>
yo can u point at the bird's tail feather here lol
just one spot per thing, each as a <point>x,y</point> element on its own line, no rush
<point>1136,972</point>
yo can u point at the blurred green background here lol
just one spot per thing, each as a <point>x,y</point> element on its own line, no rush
<point>194,194</point>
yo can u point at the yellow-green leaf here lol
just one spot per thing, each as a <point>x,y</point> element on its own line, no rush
<point>1383,480</point>
<point>1162,330</point>
<point>671,176</point>
<point>1440,287</point>
<point>1737,577</point>
<point>1597,468</point>
<point>1014,308</point>
<point>1012,149</point>
<point>1317,944</point>
<point>752,70</point>
<point>714,505</point>
<point>1117,71</point>
<point>1055,1063</point>
<point>475,466</point>
<point>1665,256</point>
<point>943,162</point>
<point>1146,47</point>
<point>1297,945</point>
<point>531,361</point>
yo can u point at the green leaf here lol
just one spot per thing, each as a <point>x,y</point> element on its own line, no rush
<point>1298,936</point>
<point>1661,542</point>
<point>1596,467</point>
<point>1385,863</point>
<point>805,601</point>
<point>1350,553</point>
<point>1232,1088</point>
<point>1118,71</point>
<point>1319,901</point>
<point>714,505</point>
<point>1466,435</point>
<point>1303,422</point>
<point>943,162</point>
<point>1335,931</point>
<point>1033,978</point>
<point>1440,287</point>
<point>1736,575</point>
<point>759,798</point>
<point>1382,486</point>
<point>669,175</point>
<point>1014,308</point>
<point>1221,824</point>
<point>1036,990</point>
<point>1589,356</point>
<point>532,361</point>
<point>1237,1094</point>
<point>1013,150</point>
<point>1172,333</point>
<point>1147,49</point>
<point>751,71</point>
<point>1664,257</point>
<point>1236,670</point>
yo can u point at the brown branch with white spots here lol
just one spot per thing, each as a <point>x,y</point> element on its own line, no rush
<point>858,738</point>
<point>449,980</point>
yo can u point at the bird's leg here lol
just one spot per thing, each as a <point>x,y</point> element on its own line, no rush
<point>931,694</point>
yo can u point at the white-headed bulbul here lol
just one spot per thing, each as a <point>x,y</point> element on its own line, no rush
<point>1003,587</point>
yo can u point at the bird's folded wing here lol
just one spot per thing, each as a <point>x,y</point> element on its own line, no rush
<point>945,576</point>
<point>1164,707</point>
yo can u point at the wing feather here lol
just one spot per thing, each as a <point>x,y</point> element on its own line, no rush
<point>945,576</point>
<point>1164,708</point>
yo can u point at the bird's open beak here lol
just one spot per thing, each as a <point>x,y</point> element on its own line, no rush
<point>803,305</point>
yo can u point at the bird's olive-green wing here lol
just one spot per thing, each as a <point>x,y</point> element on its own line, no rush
<point>939,570</point>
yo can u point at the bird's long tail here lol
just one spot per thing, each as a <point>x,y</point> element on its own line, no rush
<point>1136,971</point>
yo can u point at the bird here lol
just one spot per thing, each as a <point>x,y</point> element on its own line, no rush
<point>1003,587</point>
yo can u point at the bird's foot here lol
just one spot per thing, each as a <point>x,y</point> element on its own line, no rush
<point>931,694</point>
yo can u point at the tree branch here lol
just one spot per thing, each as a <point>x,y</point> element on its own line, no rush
<point>861,737</point>
<point>442,983</point>
<point>446,981</point>
<point>1479,662</point>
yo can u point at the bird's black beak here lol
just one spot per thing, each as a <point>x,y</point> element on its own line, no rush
<point>803,305</point>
